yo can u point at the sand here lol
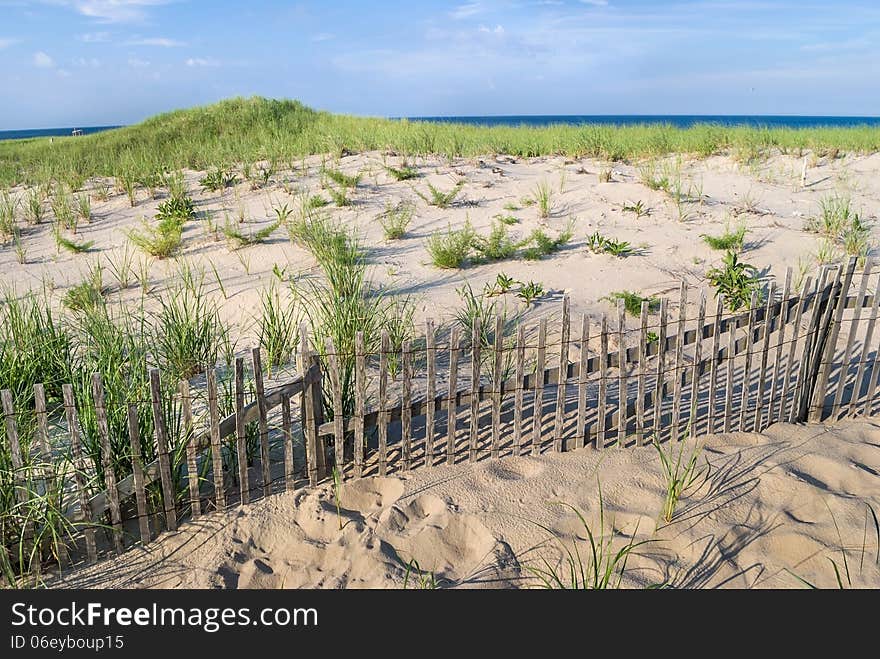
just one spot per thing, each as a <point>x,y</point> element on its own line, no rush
<point>770,510</point>
<point>766,196</point>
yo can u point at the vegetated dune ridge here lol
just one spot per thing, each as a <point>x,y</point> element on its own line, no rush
<point>771,510</point>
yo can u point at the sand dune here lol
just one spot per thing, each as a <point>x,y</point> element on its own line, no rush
<point>770,510</point>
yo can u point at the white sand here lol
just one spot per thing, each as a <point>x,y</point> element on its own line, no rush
<point>769,509</point>
<point>767,197</point>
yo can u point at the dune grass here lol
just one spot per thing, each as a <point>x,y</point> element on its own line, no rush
<point>252,129</point>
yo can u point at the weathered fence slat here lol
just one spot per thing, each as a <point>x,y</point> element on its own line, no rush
<point>713,366</point>
<point>657,426</point>
<point>621,373</point>
<point>765,351</point>
<point>216,448</point>
<point>262,421</point>
<point>559,417</point>
<point>192,469</point>
<point>474,424</point>
<point>452,389</point>
<point>406,405</point>
<point>863,358</point>
<point>383,403</point>
<point>538,406</point>
<point>850,340</point>
<point>747,366</point>
<point>287,437</point>
<point>338,420</point>
<point>603,383</point>
<point>79,469</point>
<point>42,429</point>
<point>801,406</point>
<point>241,434</point>
<point>697,371</point>
<point>679,361</point>
<point>430,390</point>
<point>360,402</point>
<point>582,382</point>
<point>107,460</point>
<point>497,385</point>
<point>792,351</point>
<point>640,387</point>
<point>831,344</point>
<point>310,402</point>
<point>137,471</point>
<point>519,374</point>
<point>161,437</point>
<point>730,373</point>
<point>784,318</point>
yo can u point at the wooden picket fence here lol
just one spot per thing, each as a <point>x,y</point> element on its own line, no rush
<point>503,392</point>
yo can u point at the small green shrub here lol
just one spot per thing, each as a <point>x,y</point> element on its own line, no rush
<point>452,248</point>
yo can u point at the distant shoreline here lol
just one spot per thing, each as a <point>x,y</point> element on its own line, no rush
<point>538,120</point>
<point>30,133</point>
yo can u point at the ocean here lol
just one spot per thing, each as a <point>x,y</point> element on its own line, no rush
<point>50,132</point>
<point>678,120</point>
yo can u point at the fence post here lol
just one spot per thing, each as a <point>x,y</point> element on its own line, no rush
<point>640,388</point>
<point>244,484</point>
<point>431,391</point>
<point>311,405</point>
<point>826,349</point>
<point>360,398</point>
<point>847,356</point>
<point>497,383</point>
<point>161,433</point>
<point>216,448</point>
<point>338,413</point>
<point>476,345</point>
<point>263,422</point>
<point>562,380</point>
<point>538,406</point>
<point>192,470</point>
<point>621,373</point>
<point>137,472</point>
<point>583,364</point>
<point>79,472</point>
<point>107,460</point>
<point>451,395</point>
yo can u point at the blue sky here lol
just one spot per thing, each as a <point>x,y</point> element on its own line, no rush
<point>87,62</point>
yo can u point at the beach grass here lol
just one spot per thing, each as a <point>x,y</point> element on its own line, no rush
<point>251,129</point>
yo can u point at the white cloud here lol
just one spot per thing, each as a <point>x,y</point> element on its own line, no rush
<point>497,30</point>
<point>116,11</point>
<point>322,36</point>
<point>86,62</point>
<point>202,61</point>
<point>42,60</point>
<point>136,63</point>
<point>161,42</point>
<point>464,11</point>
<point>5,42</point>
<point>595,3</point>
<point>94,37</point>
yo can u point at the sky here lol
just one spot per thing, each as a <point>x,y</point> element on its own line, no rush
<point>99,62</point>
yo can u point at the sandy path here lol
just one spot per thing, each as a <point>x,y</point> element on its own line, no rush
<point>771,506</point>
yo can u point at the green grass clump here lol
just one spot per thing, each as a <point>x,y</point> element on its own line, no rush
<point>396,219</point>
<point>188,333</point>
<point>841,226</point>
<point>277,328</point>
<point>680,474</point>
<point>440,199</point>
<point>506,219</point>
<point>497,246</point>
<point>632,301</point>
<point>162,240</point>
<point>341,179</point>
<point>84,207</point>
<point>729,240</point>
<point>217,179</point>
<point>8,205</point>
<point>530,291</point>
<point>599,565</point>
<point>405,173</point>
<point>87,294</point>
<point>33,207</point>
<point>240,239</point>
<point>543,196</point>
<point>452,248</point>
<point>599,244</point>
<point>176,208</point>
<point>734,281</point>
<point>62,208</point>
<point>67,244</point>
<point>543,245</point>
